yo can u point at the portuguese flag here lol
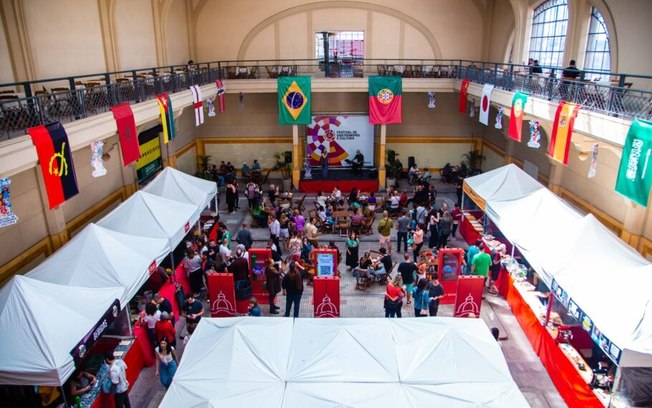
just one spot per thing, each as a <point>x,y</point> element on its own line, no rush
<point>294,100</point>
<point>55,159</point>
<point>167,117</point>
<point>385,100</point>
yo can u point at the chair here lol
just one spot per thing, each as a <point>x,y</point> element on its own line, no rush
<point>299,204</point>
<point>264,180</point>
<point>357,226</point>
<point>343,226</point>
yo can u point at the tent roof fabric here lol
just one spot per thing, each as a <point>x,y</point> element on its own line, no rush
<point>504,183</point>
<point>39,330</point>
<point>342,362</point>
<point>98,257</point>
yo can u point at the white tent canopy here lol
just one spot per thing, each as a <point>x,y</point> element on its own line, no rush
<point>41,323</point>
<point>343,362</point>
<point>179,186</point>
<point>504,183</point>
<point>147,215</point>
<point>98,257</point>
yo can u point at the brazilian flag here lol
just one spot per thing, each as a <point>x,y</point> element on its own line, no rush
<point>294,100</point>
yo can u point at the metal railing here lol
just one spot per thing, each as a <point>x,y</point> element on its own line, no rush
<point>27,104</point>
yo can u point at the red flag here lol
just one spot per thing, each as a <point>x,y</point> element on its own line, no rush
<point>220,95</point>
<point>54,156</point>
<point>385,99</point>
<point>124,118</point>
<point>516,116</point>
<point>562,131</point>
<point>464,90</point>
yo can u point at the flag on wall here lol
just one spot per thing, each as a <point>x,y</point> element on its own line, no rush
<point>197,104</point>
<point>167,117</point>
<point>634,177</point>
<point>485,104</point>
<point>55,158</point>
<point>464,90</point>
<point>220,95</point>
<point>516,115</point>
<point>562,131</point>
<point>96,159</point>
<point>124,118</point>
<point>7,215</point>
<point>385,99</point>
<point>293,100</point>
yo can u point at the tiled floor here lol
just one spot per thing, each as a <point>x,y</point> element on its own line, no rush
<point>527,370</point>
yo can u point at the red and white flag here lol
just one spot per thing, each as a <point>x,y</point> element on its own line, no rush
<point>220,95</point>
<point>485,104</point>
<point>197,104</point>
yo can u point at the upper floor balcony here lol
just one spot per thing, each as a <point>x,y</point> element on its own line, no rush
<point>32,103</point>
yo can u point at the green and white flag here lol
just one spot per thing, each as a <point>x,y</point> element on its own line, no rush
<point>635,172</point>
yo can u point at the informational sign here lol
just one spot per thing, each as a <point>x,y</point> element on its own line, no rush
<point>150,154</point>
<point>80,351</point>
<point>469,296</point>
<point>341,136</point>
<point>449,269</point>
<point>325,261</point>
<point>326,296</point>
<point>221,294</point>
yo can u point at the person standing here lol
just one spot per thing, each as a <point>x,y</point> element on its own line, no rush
<point>421,297</point>
<point>445,225</point>
<point>394,297</point>
<point>192,310</point>
<point>456,214</point>
<point>323,161</point>
<point>295,246</point>
<point>118,377</point>
<point>436,293</point>
<point>402,232</point>
<point>433,227</point>
<point>275,232</point>
<point>165,329</point>
<point>408,271</point>
<point>292,285</point>
<point>244,236</point>
<point>384,232</point>
<point>192,265</point>
<point>231,196</point>
<point>352,250</point>
<point>166,362</point>
<point>417,242</point>
<point>311,232</point>
<point>272,283</point>
<point>481,263</point>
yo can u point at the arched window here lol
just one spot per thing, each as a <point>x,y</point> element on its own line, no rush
<point>598,54</point>
<point>548,37</point>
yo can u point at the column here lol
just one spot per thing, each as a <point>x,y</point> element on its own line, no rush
<point>297,157</point>
<point>635,218</point>
<point>382,173</point>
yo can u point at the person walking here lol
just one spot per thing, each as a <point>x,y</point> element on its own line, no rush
<point>402,225</point>
<point>292,285</point>
<point>436,293</point>
<point>384,232</point>
<point>166,362</point>
<point>273,284</point>
<point>352,244</point>
<point>118,378</point>
<point>408,271</point>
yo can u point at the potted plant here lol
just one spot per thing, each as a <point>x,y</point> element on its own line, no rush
<point>284,166</point>
<point>393,167</point>
<point>202,167</point>
<point>474,160</point>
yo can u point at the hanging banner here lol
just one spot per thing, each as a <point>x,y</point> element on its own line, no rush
<point>7,216</point>
<point>594,161</point>
<point>79,352</point>
<point>516,115</point>
<point>634,179</point>
<point>469,296</point>
<point>385,99</point>
<point>55,158</point>
<point>341,136</point>
<point>293,100</point>
<point>167,117</point>
<point>150,154</point>
<point>499,118</point>
<point>221,294</point>
<point>326,296</point>
<point>96,159</point>
<point>535,134</point>
<point>562,131</point>
<point>220,95</point>
<point>464,91</point>
<point>485,104</point>
<point>210,102</point>
<point>124,119</point>
<point>197,104</point>
<point>432,103</point>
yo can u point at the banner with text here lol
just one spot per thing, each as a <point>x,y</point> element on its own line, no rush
<point>341,136</point>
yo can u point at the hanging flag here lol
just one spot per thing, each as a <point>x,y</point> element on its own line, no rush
<point>634,179</point>
<point>124,118</point>
<point>516,115</point>
<point>485,104</point>
<point>472,110</point>
<point>197,105</point>
<point>293,100</point>
<point>464,90</point>
<point>385,99</point>
<point>167,117</point>
<point>499,118</point>
<point>593,169</point>
<point>220,95</point>
<point>562,131</point>
<point>54,156</point>
<point>535,134</point>
<point>96,159</point>
<point>210,103</point>
<point>432,103</point>
<point>7,216</point>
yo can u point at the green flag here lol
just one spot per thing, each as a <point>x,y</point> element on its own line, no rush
<point>294,100</point>
<point>635,172</point>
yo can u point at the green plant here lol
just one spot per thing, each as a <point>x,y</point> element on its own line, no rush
<point>203,163</point>
<point>283,164</point>
<point>474,159</point>
<point>393,166</point>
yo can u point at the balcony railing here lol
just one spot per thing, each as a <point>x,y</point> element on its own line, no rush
<point>27,104</point>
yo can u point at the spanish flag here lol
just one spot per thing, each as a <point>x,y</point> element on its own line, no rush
<point>55,158</point>
<point>464,90</point>
<point>167,117</point>
<point>294,100</point>
<point>562,131</point>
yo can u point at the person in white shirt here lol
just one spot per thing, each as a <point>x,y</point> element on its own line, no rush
<point>118,377</point>
<point>224,249</point>
<point>275,232</point>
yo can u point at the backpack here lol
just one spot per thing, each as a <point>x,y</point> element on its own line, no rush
<point>107,386</point>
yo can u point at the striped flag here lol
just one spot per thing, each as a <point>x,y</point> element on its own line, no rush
<point>55,159</point>
<point>167,117</point>
<point>220,95</point>
<point>385,99</point>
<point>197,105</point>
<point>485,104</point>
<point>562,131</point>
